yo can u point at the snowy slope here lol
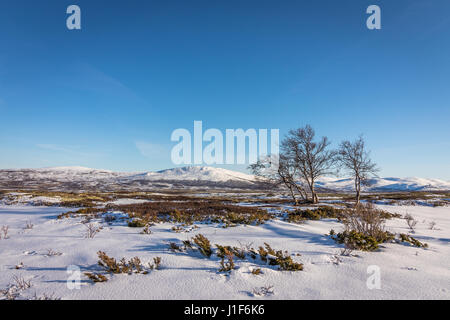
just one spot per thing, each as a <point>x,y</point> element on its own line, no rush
<point>406,272</point>
<point>81,178</point>
<point>387,184</point>
<point>198,173</point>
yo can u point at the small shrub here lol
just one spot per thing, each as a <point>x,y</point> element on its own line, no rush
<point>174,247</point>
<point>256,271</point>
<point>286,263</point>
<point>263,291</point>
<point>135,263</point>
<point>264,252</point>
<point>109,218</point>
<point>365,219</point>
<point>432,224</point>
<point>29,225</point>
<point>203,244</point>
<point>279,258</point>
<point>123,266</point>
<point>91,230</point>
<point>440,203</point>
<point>413,241</point>
<point>223,251</point>
<point>299,216</point>
<point>180,217</point>
<point>156,264</point>
<point>52,253</point>
<point>355,240</point>
<point>411,222</point>
<point>346,252</point>
<point>96,277</point>
<point>187,244</point>
<point>177,229</point>
<point>108,263</point>
<point>4,232</point>
<point>146,229</point>
<point>21,283</point>
<point>10,293</point>
<point>136,223</point>
<point>228,265</point>
<point>186,210</point>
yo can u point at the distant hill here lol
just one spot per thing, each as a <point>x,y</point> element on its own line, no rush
<point>81,178</point>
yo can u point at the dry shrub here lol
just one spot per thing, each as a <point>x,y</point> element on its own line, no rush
<point>109,218</point>
<point>111,265</point>
<point>108,263</point>
<point>4,232</point>
<point>364,228</point>
<point>411,222</point>
<point>190,211</point>
<point>174,247</point>
<point>412,241</point>
<point>21,283</point>
<point>133,265</point>
<point>203,244</point>
<point>84,212</point>
<point>279,258</point>
<point>91,230</point>
<point>228,265</point>
<point>256,271</point>
<point>323,212</point>
<point>432,225</point>
<point>137,223</point>
<point>187,244</point>
<point>365,219</point>
<point>96,277</point>
<point>263,291</point>
<point>226,252</point>
<point>156,264</point>
<point>53,253</point>
<point>177,229</point>
<point>146,229</point>
<point>223,251</point>
<point>29,225</point>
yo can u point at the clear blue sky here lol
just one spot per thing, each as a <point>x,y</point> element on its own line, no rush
<point>109,95</point>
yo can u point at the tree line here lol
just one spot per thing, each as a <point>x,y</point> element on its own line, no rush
<point>304,159</point>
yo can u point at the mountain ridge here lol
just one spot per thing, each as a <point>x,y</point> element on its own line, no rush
<point>86,178</point>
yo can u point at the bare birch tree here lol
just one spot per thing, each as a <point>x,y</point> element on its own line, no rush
<point>355,159</point>
<point>312,159</point>
<point>284,173</point>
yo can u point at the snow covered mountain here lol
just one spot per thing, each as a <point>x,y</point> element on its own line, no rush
<point>81,178</point>
<point>387,184</point>
<point>198,174</point>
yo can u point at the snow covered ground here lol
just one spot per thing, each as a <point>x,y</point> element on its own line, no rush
<point>406,272</point>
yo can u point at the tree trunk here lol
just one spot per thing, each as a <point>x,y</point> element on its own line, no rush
<point>302,192</point>
<point>293,196</point>
<point>315,199</point>
<point>358,189</point>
